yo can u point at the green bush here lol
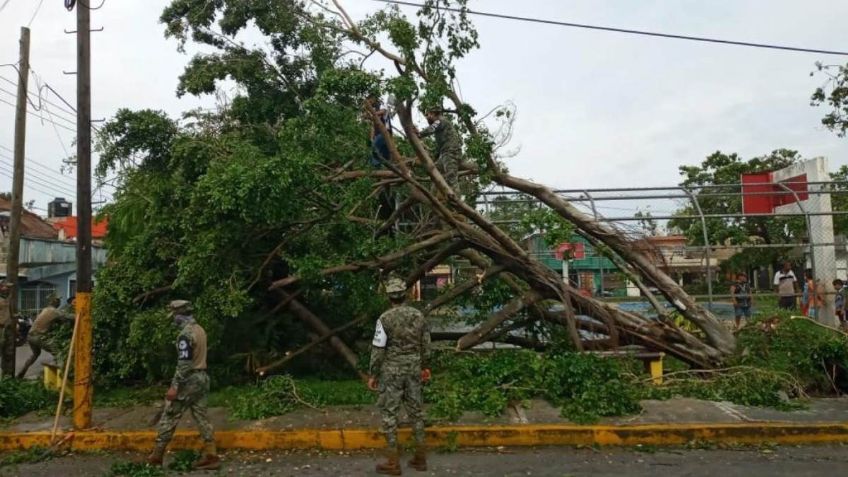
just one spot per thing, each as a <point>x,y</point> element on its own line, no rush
<point>797,347</point>
<point>585,386</point>
<point>483,382</point>
<point>18,397</point>
<point>589,387</point>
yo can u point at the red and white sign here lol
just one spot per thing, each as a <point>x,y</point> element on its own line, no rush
<point>570,251</point>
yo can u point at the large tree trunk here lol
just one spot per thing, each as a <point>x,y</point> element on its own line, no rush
<point>303,313</point>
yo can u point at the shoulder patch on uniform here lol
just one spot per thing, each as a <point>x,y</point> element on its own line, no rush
<point>184,350</point>
<point>380,339</point>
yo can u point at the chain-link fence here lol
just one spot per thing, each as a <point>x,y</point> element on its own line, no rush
<point>702,238</point>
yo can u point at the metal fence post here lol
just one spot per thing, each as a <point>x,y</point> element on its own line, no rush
<point>707,253</point>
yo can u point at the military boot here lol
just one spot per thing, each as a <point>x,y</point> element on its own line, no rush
<point>419,461</point>
<point>156,456</point>
<point>392,464</point>
<point>210,459</point>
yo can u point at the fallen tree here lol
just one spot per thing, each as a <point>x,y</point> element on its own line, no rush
<point>267,213</point>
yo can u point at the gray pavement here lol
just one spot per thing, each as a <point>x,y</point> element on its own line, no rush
<point>34,372</point>
<point>560,462</point>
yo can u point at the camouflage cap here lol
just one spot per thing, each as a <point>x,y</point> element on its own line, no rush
<point>395,285</point>
<point>180,306</point>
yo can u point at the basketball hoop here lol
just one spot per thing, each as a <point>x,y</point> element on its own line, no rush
<point>570,251</point>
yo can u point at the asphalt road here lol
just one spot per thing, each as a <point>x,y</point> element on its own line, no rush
<point>560,462</point>
<point>22,353</point>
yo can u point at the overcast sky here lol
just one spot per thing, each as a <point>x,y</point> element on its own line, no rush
<point>595,109</point>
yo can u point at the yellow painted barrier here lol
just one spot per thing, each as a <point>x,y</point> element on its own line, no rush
<point>52,377</point>
<point>656,366</point>
<point>462,436</point>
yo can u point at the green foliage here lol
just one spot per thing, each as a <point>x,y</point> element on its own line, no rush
<point>134,469</point>
<point>520,216</point>
<point>18,397</point>
<point>485,383</point>
<point>26,456</point>
<point>833,94</point>
<point>337,393</point>
<point>720,169</point>
<point>275,396</point>
<point>746,386</point>
<point>184,460</point>
<point>587,387</point>
<point>796,347</point>
<point>840,201</point>
<point>125,397</point>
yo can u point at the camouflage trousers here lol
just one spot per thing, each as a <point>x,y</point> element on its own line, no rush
<point>394,390</point>
<point>192,394</point>
<point>38,342</point>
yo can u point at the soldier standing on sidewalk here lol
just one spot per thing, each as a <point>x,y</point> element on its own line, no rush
<point>400,356</point>
<point>189,389</point>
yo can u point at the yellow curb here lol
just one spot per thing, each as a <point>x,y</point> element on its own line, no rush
<point>461,436</point>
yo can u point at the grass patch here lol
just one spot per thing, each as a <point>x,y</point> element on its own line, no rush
<point>134,469</point>
<point>128,397</point>
<point>184,460</point>
<point>33,454</point>
<point>352,392</point>
<point>19,397</point>
<point>281,394</point>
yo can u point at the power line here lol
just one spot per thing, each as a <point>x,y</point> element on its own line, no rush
<point>35,14</point>
<point>624,30</point>
<point>46,168</point>
<point>13,83</point>
<point>4,5</point>
<point>42,177</point>
<point>35,107</point>
<point>40,117</point>
<point>50,192</point>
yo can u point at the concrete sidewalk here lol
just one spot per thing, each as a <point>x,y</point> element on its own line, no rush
<point>671,422</point>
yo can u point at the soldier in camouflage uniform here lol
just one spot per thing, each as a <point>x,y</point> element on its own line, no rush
<point>37,337</point>
<point>448,145</point>
<point>189,389</point>
<point>400,356</point>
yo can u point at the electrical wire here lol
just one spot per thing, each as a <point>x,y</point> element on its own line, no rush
<point>41,118</point>
<point>28,183</point>
<point>624,30</point>
<point>4,5</point>
<point>42,177</point>
<point>43,108</point>
<point>41,99</point>
<point>69,182</point>
<point>35,14</point>
<point>31,175</point>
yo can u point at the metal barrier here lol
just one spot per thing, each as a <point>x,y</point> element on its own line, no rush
<point>687,213</point>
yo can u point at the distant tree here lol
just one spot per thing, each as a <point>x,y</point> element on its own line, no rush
<point>726,169</point>
<point>834,94</point>
<point>647,223</point>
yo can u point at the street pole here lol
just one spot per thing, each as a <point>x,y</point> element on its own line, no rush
<point>11,328</point>
<point>82,356</point>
